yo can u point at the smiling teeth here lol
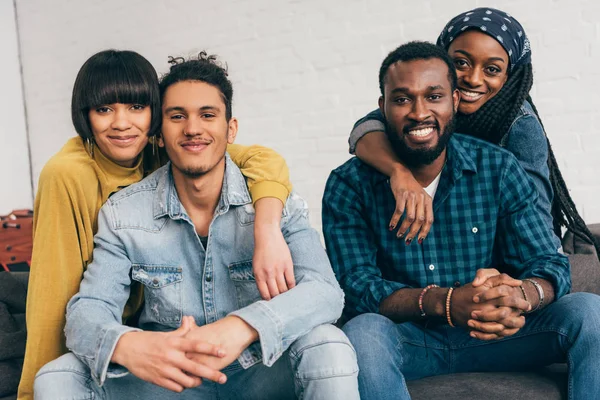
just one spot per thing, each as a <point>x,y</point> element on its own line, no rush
<point>470,94</point>
<point>421,132</point>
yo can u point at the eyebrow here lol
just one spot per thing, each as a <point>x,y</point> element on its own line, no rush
<point>466,53</point>
<point>182,109</point>
<point>407,90</point>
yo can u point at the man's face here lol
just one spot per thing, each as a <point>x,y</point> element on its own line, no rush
<point>195,131</point>
<point>419,107</point>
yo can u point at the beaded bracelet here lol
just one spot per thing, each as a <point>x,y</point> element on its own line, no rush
<point>422,296</point>
<point>448,302</point>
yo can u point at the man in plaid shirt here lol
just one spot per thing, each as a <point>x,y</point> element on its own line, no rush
<point>439,306</point>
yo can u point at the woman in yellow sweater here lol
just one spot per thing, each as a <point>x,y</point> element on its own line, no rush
<point>116,112</point>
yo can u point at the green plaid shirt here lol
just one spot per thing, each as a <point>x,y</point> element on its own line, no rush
<point>485,216</point>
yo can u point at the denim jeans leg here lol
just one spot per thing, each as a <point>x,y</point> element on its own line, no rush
<point>566,330</point>
<point>389,354</point>
<point>576,317</point>
<point>324,364</point>
<point>69,378</point>
<point>319,365</point>
<point>64,378</point>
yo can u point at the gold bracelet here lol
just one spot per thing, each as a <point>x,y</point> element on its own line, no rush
<point>448,302</point>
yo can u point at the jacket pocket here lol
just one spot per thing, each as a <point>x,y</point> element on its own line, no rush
<point>162,292</point>
<point>242,277</point>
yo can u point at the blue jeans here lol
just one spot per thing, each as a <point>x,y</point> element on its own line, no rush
<point>319,365</point>
<point>389,354</point>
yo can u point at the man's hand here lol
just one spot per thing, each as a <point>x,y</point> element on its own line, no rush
<point>160,357</point>
<point>413,200</point>
<point>462,305</point>
<point>502,292</point>
<point>232,334</point>
<point>272,262</point>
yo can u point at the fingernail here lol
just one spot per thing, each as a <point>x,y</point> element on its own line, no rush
<point>221,353</point>
<point>408,242</point>
<point>473,335</point>
<point>421,240</point>
<point>471,324</point>
<point>476,299</point>
<point>399,235</point>
<point>222,379</point>
<point>392,227</point>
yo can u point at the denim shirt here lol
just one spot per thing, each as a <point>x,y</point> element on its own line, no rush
<point>526,139</point>
<point>145,235</point>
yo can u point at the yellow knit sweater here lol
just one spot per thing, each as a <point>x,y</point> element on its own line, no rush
<point>72,188</point>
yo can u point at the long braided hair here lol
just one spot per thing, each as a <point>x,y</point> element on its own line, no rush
<point>492,123</point>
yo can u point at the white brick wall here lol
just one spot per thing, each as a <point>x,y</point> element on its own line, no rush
<point>15,176</point>
<point>304,71</point>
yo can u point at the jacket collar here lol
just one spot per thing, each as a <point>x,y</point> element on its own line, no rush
<point>234,191</point>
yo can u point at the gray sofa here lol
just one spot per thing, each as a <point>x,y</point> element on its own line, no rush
<point>549,383</point>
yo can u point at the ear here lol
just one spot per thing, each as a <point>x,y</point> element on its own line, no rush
<point>232,130</point>
<point>161,142</point>
<point>456,99</point>
<point>382,105</point>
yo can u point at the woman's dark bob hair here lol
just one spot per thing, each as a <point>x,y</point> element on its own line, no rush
<point>114,76</point>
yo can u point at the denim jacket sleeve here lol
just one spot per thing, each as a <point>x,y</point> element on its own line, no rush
<point>373,121</point>
<point>315,300</point>
<point>94,325</point>
<point>527,141</point>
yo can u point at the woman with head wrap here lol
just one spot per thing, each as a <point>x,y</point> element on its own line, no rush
<point>492,57</point>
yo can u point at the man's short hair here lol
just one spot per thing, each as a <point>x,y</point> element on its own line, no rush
<point>204,68</point>
<point>417,51</point>
<point>114,76</point>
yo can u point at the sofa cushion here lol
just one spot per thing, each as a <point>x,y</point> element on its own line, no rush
<point>585,266</point>
<point>545,384</point>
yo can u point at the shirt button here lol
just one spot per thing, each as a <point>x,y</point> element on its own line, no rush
<point>431,267</point>
<point>155,281</point>
<point>457,284</point>
<point>208,278</point>
<point>474,230</point>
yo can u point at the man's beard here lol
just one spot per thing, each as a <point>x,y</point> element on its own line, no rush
<point>192,172</point>
<point>418,157</point>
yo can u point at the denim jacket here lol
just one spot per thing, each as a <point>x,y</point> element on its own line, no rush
<point>145,235</point>
<point>525,139</point>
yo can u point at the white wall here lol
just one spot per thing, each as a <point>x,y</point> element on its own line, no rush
<point>15,176</point>
<point>304,71</point>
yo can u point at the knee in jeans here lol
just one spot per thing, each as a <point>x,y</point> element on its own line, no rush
<point>365,329</point>
<point>584,307</point>
<point>65,377</point>
<point>324,352</point>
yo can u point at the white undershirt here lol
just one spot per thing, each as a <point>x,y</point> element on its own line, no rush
<point>432,188</point>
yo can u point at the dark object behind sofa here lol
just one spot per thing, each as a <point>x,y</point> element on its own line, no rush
<point>549,383</point>
<point>13,294</point>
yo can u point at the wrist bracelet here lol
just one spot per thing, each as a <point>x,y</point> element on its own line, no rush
<point>422,296</point>
<point>526,299</point>
<point>540,292</point>
<point>448,302</point>
<point>524,294</point>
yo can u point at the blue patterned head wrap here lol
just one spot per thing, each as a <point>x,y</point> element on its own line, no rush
<point>499,25</point>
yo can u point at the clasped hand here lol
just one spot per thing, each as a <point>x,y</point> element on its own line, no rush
<point>491,307</point>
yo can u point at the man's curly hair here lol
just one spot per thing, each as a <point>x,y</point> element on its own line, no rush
<point>204,68</point>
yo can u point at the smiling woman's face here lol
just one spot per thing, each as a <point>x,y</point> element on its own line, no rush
<point>481,66</point>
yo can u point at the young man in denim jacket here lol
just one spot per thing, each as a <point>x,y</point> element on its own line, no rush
<point>426,308</point>
<point>186,233</point>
